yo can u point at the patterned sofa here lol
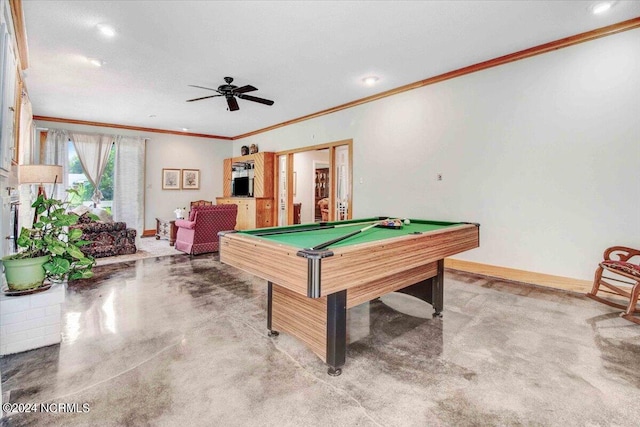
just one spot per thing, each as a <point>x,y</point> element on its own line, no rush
<point>109,238</point>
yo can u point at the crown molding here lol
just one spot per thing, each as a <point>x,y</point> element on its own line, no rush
<point>20,32</point>
<point>136,128</point>
<point>501,60</point>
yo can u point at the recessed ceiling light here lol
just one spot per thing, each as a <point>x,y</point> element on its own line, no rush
<point>152,115</point>
<point>601,7</point>
<point>185,129</point>
<point>96,62</point>
<point>371,80</point>
<point>106,30</point>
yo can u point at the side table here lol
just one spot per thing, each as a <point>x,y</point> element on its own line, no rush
<point>166,229</point>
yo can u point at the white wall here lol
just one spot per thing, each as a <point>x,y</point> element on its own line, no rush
<point>172,151</point>
<point>175,152</point>
<point>544,153</point>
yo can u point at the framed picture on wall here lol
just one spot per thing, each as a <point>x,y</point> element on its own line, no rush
<point>170,179</point>
<point>190,179</point>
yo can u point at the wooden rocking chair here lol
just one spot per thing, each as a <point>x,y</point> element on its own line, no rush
<point>626,266</point>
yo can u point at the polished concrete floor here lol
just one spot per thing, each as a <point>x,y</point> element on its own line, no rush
<point>174,341</point>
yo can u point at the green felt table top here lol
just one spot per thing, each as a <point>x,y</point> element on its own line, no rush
<point>303,236</point>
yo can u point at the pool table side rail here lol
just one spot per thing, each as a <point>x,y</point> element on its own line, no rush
<point>352,266</point>
<point>349,266</point>
<point>271,261</point>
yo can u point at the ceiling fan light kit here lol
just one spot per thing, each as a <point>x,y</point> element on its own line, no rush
<point>230,92</point>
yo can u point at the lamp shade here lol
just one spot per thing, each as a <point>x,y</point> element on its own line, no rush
<point>39,174</point>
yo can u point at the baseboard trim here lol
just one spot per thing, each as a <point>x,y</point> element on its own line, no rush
<point>540,279</point>
<point>149,233</point>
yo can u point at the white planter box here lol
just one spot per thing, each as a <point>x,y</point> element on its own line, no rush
<point>31,321</point>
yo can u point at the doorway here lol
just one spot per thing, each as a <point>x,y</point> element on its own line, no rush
<point>320,183</point>
<point>311,183</point>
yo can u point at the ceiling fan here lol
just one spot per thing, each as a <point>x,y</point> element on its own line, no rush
<point>230,91</point>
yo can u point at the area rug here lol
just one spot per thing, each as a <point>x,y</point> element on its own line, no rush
<point>148,247</point>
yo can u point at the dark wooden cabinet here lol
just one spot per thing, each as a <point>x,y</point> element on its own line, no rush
<point>297,207</point>
<point>321,190</point>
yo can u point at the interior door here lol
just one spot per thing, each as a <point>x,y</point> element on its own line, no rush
<point>282,190</point>
<point>343,184</point>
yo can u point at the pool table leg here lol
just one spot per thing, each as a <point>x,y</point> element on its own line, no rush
<point>437,290</point>
<point>336,332</point>
<point>271,332</point>
<point>430,290</point>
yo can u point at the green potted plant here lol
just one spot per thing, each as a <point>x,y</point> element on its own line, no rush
<point>50,249</point>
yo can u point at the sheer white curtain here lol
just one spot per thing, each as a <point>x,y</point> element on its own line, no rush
<point>128,182</point>
<point>56,152</point>
<point>93,153</point>
<point>25,145</point>
<point>25,156</point>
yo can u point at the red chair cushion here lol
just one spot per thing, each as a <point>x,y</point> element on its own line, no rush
<point>625,267</point>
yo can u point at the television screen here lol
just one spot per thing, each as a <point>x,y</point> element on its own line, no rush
<point>241,186</point>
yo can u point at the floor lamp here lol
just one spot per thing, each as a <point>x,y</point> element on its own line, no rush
<point>39,174</point>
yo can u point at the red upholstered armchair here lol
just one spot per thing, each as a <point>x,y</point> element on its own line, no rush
<point>200,233</point>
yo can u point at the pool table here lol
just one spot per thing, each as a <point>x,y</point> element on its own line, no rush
<point>309,289</point>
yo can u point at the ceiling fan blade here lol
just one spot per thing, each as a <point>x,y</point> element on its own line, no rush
<point>204,97</point>
<point>255,99</point>
<point>202,87</point>
<point>244,89</point>
<point>233,104</point>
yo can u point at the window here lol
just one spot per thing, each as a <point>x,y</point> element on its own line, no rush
<point>78,180</point>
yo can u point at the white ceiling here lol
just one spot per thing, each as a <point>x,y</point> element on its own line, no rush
<point>307,56</point>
